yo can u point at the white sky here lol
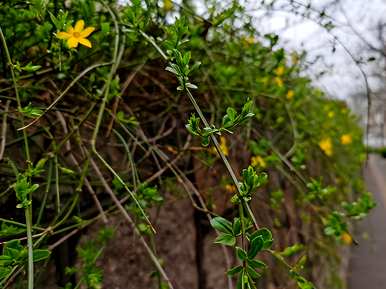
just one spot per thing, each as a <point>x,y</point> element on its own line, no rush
<point>297,33</point>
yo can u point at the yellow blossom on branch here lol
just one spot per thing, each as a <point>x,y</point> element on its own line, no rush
<point>168,5</point>
<point>76,35</point>
<point>249,40</point>
<point>346,139</point>
<point>279,82</point>
<point>330,114</point>
<point>290,94</point>
<point>258,161</point>
<point>279,71</point>
<point>294,58</point>
<point>230,188</point>
<point>326,146</point>
<point>224,146</point>
<point>346,238</point>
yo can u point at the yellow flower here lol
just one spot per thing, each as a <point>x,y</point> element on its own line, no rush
<point>330,114</point>
<point>258,161</point>
<point>76,35</point>
<point>223,146</point>
<point>249,40</point>
<point>346,238</point>
<point>290,94</point>
<point>279,82</point>
<point>168,5</point>
<point>326,146</point>
<point>279,71</point>
<point>230,188</point>
<point>294,58</point>
<point>346,139</point>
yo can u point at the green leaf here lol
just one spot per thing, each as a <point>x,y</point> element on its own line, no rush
<point>236,227</point>
<point>226,239</point>
<point>40,254</point>
<point>257,264</point>
<point>9,230</point>
<point>31,111</point>
<point>23,188</point>
<point>14,250</point>
<point>105,27</point>
<point>193,125</point>
<point>256,245</point>
<point>4,272</point>
<point>172,70</point>
<point>12,246</point>
<point>232,113</point>
<point>241,254</point>
<point>222,225</point>
<point>233,271</point>
<point>205,141</point>
<point>301,281</point>
<point>361,207</point>
<point>67,171</point>
<point>191,85</point>
<point>292,250</point>
<point>300,263</point>
<point>252,273</point>
<point>239,284</point>
<point>5,260</point>
<point>266,235</point>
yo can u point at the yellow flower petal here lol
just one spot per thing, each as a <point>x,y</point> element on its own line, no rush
<point>86,32</point>
<point>70,30</point>
<point>72,42</point>
<point>168,5</point>
<point>279,82</point>
<point>290,94</point>
<point>346,238</point>
<point>79,25</point>
<point>279,71</point>
<point>224,146</point>
<point>230,188</point>
<point>346,139</point>
<point>258,161</point>
<point>85,42</point>
<point>326,146</point>
<point>63,35</point>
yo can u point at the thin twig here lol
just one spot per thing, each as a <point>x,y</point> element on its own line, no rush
<point>4,130</point>
<point>76,79</point>
<point>28,210</point>
<point>131,222</point>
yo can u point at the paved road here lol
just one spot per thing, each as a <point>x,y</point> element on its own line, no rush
<point>367,269</point>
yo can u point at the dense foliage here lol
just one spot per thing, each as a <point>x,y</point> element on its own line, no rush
<point>112,107</point>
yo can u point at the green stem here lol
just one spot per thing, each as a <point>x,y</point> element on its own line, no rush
<point>76,79</point>
<point>57,188</point>
<point>46,191</point>
<point>28,211</point>
<point>9,59</point>
<point>222,156</point>
<point>114,66</point>
<point>241,213</point>
<point>28,219</point>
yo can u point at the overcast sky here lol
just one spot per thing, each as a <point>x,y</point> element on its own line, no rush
<point>298,33</point>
